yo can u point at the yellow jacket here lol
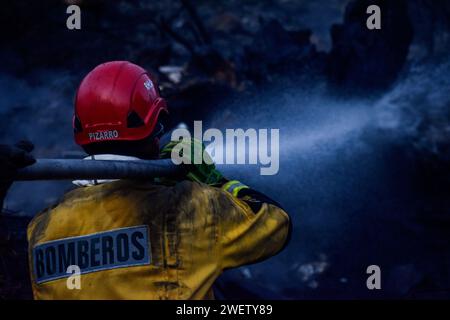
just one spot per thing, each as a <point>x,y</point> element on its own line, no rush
<point>141,240</point>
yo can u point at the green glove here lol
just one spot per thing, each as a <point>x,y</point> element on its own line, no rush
<point>204,172</point>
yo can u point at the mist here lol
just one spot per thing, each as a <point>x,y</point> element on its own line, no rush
<point>346,180</point>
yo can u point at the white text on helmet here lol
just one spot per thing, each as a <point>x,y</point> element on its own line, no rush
<point>103,135</point>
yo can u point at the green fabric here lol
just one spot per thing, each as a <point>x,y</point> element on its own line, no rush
<point>205,172</point>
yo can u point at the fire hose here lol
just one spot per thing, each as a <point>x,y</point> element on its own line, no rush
<point>73,169</point>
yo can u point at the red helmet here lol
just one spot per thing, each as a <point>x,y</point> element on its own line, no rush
<point>116,101</point>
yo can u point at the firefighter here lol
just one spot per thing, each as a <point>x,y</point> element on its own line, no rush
<point>158,239</point>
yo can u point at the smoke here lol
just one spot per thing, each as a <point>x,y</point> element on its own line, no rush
<point>38,108</point>
<point>346,191</point>
<point>418,109</point>
<point>341,178</point>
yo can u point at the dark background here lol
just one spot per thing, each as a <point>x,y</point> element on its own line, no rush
<point>364,119</point>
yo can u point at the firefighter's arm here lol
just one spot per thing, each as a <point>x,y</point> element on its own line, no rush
<point>12,158</point>
<point>252,227</point>
<point>255,229</point>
